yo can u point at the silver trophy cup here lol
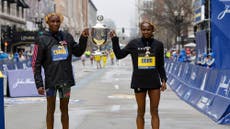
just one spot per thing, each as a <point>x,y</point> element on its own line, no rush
<point>99,33</point>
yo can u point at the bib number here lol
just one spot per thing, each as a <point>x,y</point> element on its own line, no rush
<point>59,52</point>
<point>146,62</point>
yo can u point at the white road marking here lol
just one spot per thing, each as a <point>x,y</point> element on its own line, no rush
<point>115,108</point>
<point>116,87</point>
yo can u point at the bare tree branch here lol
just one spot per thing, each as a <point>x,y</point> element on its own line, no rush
<point>163,15</point>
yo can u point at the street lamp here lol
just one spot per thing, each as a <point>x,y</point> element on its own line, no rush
<point>179,18</point>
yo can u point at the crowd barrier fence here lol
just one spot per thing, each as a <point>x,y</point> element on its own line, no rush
<point>207,90</point>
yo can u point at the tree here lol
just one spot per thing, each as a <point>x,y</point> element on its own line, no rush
<point>163,15</point>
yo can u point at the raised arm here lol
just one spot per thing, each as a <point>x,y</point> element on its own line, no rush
<point>79,49</point>
<point>119,53</point>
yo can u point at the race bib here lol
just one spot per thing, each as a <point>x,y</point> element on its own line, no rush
<point>146,62</point>
<point>59,52</point>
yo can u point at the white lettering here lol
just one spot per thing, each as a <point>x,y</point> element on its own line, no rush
<point>224,12</point>
<point>22,82</point>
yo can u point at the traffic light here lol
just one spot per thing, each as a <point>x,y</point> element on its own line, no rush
<point>5,44</point>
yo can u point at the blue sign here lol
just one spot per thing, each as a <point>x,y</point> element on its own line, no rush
<point>201,42</point>
<point>220,37</point>
<point>21,83</point>
<point>199,10</point>
<point>2,121</point>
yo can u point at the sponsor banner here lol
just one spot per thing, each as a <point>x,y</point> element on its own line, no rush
<point>201,80</point>
<point>219,110</point>
<point>10,64</point>
<point>223,83</point>
<point>220,38</point>
<point>181,90</point>
<point>201,42</point>
<point>21,83</point>
<point>211,83</point>
<point>207,90</point>
<point>193,76</point>
<point>2,121</point>
<point>192,96</point>
<point>174,83</point>
<point>187,71</point>
<point>169,77</point>
<point>175,69</point>
<point>180,70</point>
<point>205,102</point>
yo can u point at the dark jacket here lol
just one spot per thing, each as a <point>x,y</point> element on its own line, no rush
<point>56,59</point>
<point>143,76</point>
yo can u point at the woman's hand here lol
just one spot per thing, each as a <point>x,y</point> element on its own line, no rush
<point>41,91</point>
<point>112,34</point>
<point>85,32</point>
<point>163,86</point>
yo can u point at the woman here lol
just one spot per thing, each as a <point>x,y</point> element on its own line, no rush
<point>148,71</point>
<point>53,51</point>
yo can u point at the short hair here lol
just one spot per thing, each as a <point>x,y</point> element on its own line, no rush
<point>150,23</point>
<point>54,14</point>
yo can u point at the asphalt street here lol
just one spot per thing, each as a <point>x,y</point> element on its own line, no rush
<point>102,99</point>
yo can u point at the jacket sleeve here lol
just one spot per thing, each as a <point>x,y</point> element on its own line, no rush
<point>119,53</point>
<point>37,61</point>
<point>79,49</point>
<point>160,63</point>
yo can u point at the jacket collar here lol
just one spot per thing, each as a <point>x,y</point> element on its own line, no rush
<point>147,41</point>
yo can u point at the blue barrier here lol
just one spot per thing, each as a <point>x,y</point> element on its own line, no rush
<point>211,84</point>
<point>2,121</point>
<point>21,83</point>
<point>11,64</point>
<point>207,90</point>
<point>223,83</point>
<point>187,70</point>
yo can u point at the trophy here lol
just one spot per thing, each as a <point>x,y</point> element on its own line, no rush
<point>99,33</point>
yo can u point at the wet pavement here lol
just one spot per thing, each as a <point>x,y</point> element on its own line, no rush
<point>102,99</point>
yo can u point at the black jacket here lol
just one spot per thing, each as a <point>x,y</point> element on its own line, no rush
<point>143,76</point>
<point>56,59</point>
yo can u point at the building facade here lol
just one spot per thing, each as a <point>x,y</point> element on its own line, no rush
<point>12,17</point>
<point>92,14</point>
<point>75,14</point>
<point>28,15</point>
<point>36,13</point>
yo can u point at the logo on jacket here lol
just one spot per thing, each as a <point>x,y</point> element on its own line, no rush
<point>59,52</point>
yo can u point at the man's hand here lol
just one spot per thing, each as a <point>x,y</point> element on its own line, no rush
<point>41,91</point>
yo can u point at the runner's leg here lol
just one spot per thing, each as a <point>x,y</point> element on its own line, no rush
<point>64,102</point>
<point>140,99</point>
<point>50,111</point>
<point>64,94</point>
<point>154,96</point>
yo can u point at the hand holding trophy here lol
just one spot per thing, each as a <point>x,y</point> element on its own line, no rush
<point>99,33</point>
<point>85,32</point>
